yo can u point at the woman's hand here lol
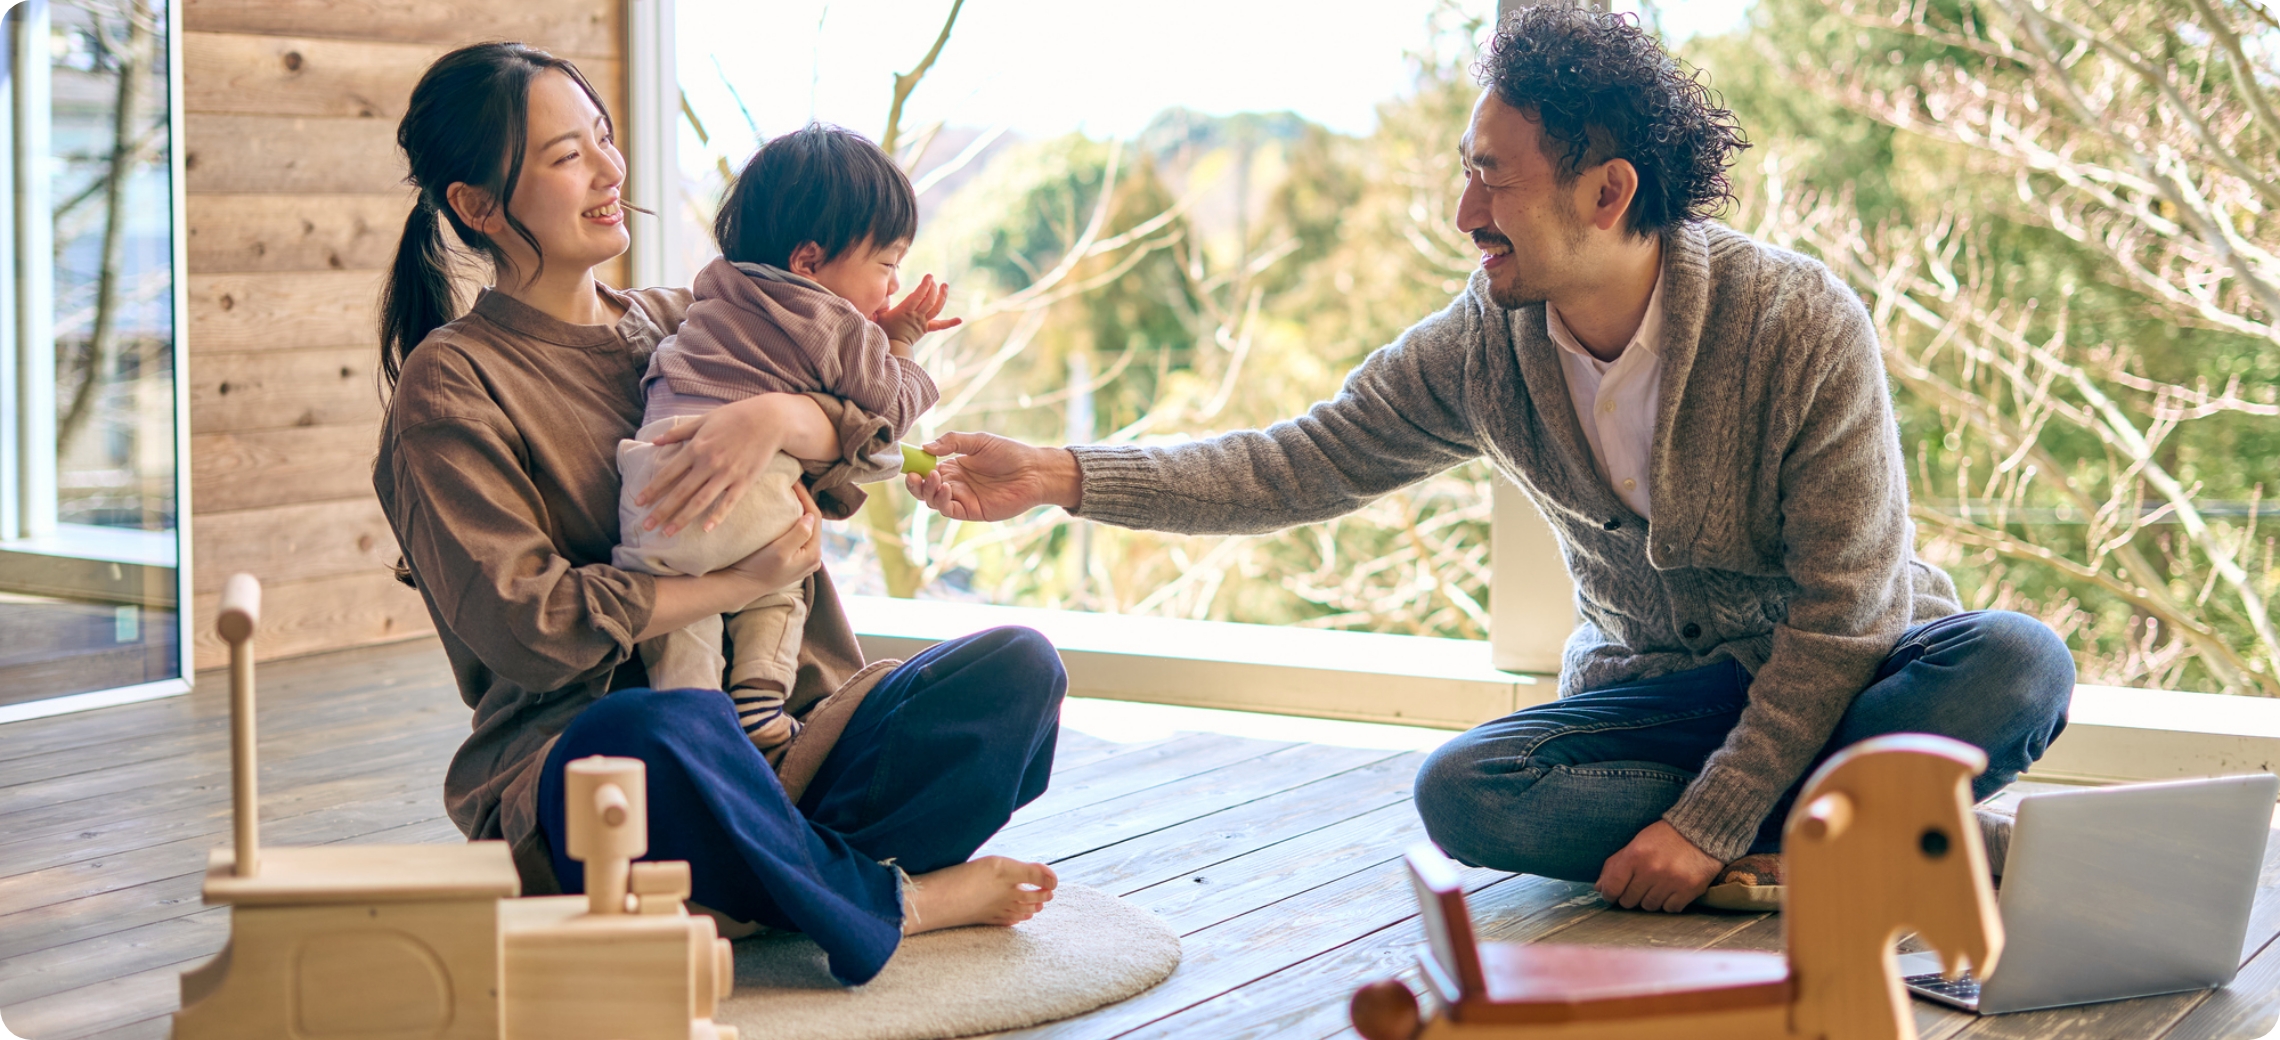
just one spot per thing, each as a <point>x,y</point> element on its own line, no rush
<point>993,478</point>
<point>722,452</point>
<point>792,556</point>
<point>681,599</point>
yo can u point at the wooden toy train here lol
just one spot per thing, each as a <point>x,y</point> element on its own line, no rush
<point>1883,843</point>
<point>428,942</point>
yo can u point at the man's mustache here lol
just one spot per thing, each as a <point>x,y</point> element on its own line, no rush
<point>1490,238</point>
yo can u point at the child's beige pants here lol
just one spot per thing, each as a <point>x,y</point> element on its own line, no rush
<point>765,634</point>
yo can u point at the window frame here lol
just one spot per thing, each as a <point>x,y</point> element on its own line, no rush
<point>12,289</point>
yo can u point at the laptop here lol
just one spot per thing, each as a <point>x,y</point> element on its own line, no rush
<point>2118,892</point>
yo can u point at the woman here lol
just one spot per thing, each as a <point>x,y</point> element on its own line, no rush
<point>497,472</point>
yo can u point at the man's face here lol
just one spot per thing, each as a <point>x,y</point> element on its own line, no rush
<point>1531,230</point>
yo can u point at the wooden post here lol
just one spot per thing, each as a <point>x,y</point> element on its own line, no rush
<point>240,615</point>
<point>608,821</point>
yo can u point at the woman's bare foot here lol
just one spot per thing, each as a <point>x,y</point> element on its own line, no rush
<point>990,890</point>
<point>728,927</point>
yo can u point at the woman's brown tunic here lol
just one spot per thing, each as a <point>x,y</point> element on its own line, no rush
<point>497,470</point>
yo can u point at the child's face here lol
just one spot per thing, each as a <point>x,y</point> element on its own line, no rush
<point>864,275</point>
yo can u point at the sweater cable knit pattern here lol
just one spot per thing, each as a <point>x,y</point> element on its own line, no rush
<point>1780,540</point>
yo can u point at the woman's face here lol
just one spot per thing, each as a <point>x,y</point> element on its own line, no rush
<point>568,195</point>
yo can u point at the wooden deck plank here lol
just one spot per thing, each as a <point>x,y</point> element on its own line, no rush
<point>1206,840</point>
<point>333,817</point>
<point>1309,999</point>
<point>329,679</point>
<point>1230,889</point>
<point>1277,862</point>
<point>2249,1007</point>
<point>181,870</point>
<point>156,1028</point>
<point>131,789</point>
<point>1169,762</point>
<point>110,1004</point>
<point>1073,750</point>
<point>122,823</point>
<point>172,942</point>
<point>1227,956</point>
<point>169,940</point>
<point>1106,823</point>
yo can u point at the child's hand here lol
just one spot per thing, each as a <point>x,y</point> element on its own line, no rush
<point>905,322</point>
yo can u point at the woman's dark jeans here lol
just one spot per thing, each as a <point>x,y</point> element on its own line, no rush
<point>932,764</point>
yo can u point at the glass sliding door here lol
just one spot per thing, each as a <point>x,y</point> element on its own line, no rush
<point>92,429</point>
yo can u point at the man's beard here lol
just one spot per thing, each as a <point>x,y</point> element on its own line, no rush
<point>1521,290</point>
<point>1516,291</point>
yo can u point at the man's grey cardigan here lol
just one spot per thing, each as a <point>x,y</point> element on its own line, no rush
<point>1781,536</point>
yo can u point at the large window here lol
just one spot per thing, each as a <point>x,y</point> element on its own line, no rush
<point>91,547</point>
<point>1156,228</point>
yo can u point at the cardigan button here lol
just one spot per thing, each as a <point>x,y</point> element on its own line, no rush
<point>1691,631</point>
<point>1612,524</point>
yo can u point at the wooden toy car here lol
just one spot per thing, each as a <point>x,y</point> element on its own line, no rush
<point>429,941</point>
<point>1883,843</point>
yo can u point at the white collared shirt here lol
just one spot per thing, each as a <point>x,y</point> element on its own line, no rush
<point>1616,401</point>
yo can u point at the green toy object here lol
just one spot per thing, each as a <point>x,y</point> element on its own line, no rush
<point>917,461</point>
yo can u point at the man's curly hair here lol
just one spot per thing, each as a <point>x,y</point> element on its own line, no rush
<point>1605,90</point>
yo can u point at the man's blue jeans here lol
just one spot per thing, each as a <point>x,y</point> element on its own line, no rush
<point>1558,788</point>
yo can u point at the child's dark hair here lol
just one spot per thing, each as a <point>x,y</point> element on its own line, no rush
<point>466,123</point>
<point>819,184</point>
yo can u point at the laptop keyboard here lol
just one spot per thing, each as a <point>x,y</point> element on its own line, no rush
<point>1964,988</point>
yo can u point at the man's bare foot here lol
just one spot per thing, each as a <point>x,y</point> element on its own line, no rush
<point>990,890</point>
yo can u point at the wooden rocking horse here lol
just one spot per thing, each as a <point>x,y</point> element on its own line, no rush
<point>427,942</point>
<point>1883,843</point>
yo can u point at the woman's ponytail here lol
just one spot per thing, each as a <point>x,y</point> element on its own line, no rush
<point>419,297</point>
<point>465,124</point>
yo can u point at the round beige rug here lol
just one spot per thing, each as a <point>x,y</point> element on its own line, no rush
<point>1086,950</point>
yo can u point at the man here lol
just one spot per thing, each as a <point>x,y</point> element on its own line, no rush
<point>1704,421</point>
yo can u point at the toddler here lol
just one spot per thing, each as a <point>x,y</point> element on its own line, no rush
<point>810,237</point>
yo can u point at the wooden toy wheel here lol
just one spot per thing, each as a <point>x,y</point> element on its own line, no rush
<point>1386,1011</point>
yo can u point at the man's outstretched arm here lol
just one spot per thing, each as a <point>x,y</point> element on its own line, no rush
<point>987,477</point>
<point>1400,418</point>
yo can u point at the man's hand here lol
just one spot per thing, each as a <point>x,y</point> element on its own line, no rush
<point>986,477</point>
<point>1658,870</point>
<point>905,322</point>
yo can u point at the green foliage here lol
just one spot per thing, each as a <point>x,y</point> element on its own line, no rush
<point>2036,330</point>
<point>2009,237</point>
<point>1275,255</point>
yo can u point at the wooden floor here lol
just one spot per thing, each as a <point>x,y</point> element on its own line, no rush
<point>1277,862</point>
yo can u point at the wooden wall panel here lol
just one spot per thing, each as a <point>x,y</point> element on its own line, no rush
<point>296,155</point>
<point>248,233</point>
<point>257,468</point>
<point>236,153</point>
<point>299,542</point>
<point>579,28</point>
<point>304,617</point>
<point>304,76</point>
<point>283,311</point>
<point>285,388</point>
<point>300,76</point>
<point>297,201</point>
